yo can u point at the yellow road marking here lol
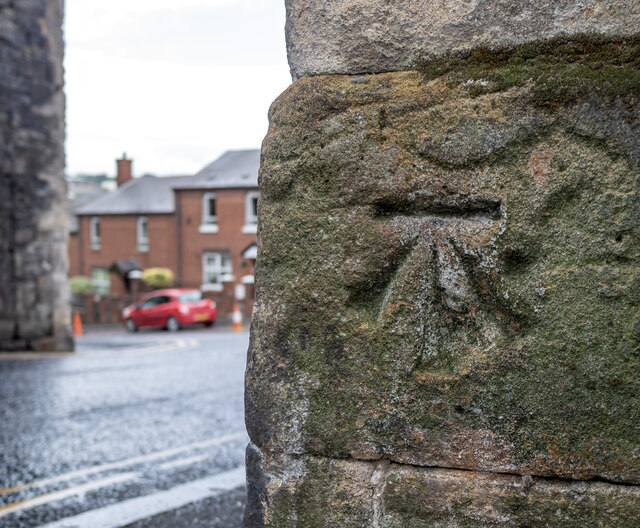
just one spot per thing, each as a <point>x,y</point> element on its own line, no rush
<point>12,488</point>
<point>127,462</point>
<point>63,494</point>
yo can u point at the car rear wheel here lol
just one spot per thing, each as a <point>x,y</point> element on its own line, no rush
<point>172,324</point>
<point>131,326</point>
<point>208,324</point>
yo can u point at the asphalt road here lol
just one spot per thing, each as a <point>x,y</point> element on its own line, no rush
<point>139,430</point>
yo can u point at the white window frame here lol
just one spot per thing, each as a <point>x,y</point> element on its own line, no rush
<point>101,286</point>
<point>94,232</point>
<point>143,241</point>
<point>250,220</point>
<point>222,269</point>
<point>209,222</point>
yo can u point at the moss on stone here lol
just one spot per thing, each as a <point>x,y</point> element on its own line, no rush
<point>448,271</point>
<point>560,70</point>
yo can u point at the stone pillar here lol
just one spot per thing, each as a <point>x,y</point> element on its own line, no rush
<point>34,289</point>
<point>447,321</point>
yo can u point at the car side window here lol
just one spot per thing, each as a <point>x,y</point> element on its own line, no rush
<point>164,299</point>
<point>151,302</point>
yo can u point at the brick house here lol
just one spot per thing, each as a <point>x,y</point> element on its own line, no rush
<point>202,227</point>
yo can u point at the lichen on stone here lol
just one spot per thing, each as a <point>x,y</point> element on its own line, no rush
<point>448,278</point>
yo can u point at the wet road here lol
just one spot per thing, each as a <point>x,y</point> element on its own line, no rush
<point>140,430</point>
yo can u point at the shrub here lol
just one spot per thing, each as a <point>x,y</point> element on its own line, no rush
<point>81,285</point>
<point>158,277</point>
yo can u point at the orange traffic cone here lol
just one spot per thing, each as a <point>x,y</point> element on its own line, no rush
<point>237,318</point>
<point>77,324</point>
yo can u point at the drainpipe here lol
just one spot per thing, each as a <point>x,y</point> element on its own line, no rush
<point>178,239</point>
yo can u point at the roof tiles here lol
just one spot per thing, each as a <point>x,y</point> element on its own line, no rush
<point>155,195</point>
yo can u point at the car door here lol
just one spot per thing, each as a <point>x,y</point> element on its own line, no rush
<point>164,309</point>
<point>148,311</point>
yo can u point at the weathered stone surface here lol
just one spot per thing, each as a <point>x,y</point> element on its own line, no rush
<point>448,279</point>
<point>365,36</point>
<point>34,292</point>
<point>322,492</point>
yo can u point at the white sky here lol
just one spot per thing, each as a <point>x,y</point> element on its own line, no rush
<point>173,83</point>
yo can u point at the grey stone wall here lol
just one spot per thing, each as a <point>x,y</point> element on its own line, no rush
<point>372,36</point>
<point>34,291</point>
<point>447,322</point>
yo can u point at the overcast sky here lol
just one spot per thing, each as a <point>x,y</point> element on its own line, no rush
<point>172,83</point>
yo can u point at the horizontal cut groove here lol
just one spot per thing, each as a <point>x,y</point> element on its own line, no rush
<point>471,208</point>
<point>548,478</point>
<point>394,463</point>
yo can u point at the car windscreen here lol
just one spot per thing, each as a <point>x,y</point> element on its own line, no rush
<point>191,296</point>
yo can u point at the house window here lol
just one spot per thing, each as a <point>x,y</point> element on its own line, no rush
<point>251,212</point>
<point>94,232</point>
<point>209,209</point>
<point>143,233</point>
<point>101,281</point>
<point>215,265</point>
<point>209,216</point>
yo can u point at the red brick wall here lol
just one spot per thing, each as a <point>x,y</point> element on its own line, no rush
<point>74,255</point>
<point>118,235</point>
<point>230,211</point>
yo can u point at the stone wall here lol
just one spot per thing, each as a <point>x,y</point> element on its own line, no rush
<point>372,36</point>
<point>447,324</point>
<point>34,294</point>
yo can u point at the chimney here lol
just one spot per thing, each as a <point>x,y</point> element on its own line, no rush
<point>124,170</point>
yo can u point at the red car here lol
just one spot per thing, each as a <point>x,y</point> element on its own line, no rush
<point>170,309</point>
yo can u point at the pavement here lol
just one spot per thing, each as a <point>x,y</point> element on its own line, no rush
<point>137,430</point>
